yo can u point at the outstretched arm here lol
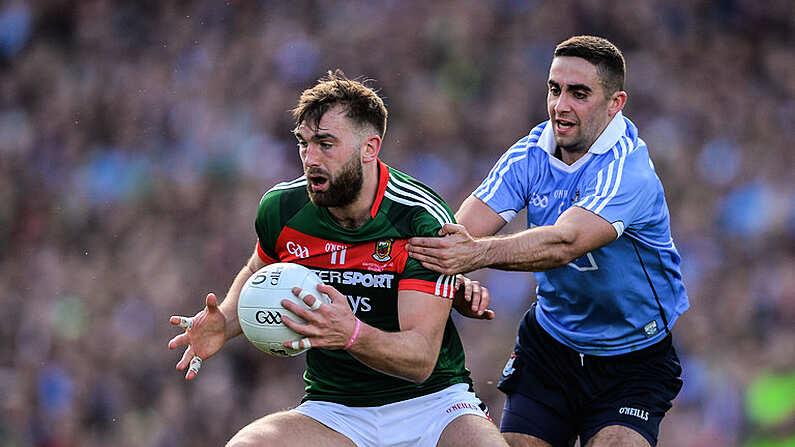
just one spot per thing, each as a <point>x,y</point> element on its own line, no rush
<point>410,353</point>
<point>575,233</point>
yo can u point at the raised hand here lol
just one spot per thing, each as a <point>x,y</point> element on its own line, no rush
<point>205,334</point>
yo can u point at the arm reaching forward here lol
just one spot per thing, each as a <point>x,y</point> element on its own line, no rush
<point>575,233</point>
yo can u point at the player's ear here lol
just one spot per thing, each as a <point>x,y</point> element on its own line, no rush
<point>616,102</point>
<point>370,148</point>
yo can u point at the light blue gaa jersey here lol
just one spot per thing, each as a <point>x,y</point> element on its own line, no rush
<point>626,295</point>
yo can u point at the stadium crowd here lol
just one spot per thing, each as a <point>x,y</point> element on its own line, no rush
<point>136,139</point>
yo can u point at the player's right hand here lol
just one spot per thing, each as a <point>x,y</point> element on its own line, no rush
<point>329,325</point>
<point>206,336</point>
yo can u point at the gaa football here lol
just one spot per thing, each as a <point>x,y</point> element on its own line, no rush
<point>260,311</point>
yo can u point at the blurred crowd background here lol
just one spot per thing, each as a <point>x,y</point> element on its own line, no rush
<point>136,139</point>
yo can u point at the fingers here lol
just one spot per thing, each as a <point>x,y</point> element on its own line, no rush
<point>190,361</point>
<point>180,340</point>
<point>183,322</point>
<point>430,264</point>
<point>188,322</point>
<point>485,299</point>
<point>468,288</point>
<point>307,297</point>
<point>211,301</point>
<point>334,295</point>
<point>303,329</point>
<point>450,228</point>
<point>431,257</point>
<point>315,303</point>
<point>303,343</point>
<point>195,366</point>
<point>306,313</point>
<point>427,242</point>
<point>477,296</point>
<point>185,360</point>
<point>300,311</point>
<point>189,358</point>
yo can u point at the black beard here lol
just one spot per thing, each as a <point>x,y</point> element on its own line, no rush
<point>342,190</point>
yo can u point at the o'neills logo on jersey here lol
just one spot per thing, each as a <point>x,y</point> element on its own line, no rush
<point>383,250</point>
<point>378,280</point>
<point>634,412</point>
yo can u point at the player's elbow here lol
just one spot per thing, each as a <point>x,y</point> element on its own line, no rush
<point>558,259</point>
<point>418,366</point>
<point>567,247</point>
<point>420,375</point>
<point>566,255</point>
<point>423,369</point>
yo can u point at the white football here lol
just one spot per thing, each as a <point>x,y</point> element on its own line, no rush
<point>259,308</point>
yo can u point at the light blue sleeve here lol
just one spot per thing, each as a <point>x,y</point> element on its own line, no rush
<point>625,191</point>
<point>505,189</point>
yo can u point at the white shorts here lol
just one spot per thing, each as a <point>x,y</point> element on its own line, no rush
<point>417,422</point>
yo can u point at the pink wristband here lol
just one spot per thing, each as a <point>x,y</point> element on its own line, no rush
<point>355,334</point>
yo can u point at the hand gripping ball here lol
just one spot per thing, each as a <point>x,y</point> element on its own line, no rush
<point>260,311</point>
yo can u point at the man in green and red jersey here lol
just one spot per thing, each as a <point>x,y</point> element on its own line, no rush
<point>386,366</point>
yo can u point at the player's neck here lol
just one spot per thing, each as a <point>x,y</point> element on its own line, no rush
<point>567,156</point>
<point>358,213</point>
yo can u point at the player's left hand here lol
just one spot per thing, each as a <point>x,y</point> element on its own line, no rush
<point>471,299</point>
<point>456,252</point>
<point>329,325</point>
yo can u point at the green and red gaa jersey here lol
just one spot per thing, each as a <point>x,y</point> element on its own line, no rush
<point>370,266</point>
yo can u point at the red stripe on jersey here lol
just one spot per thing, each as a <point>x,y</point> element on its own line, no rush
<point>376,256</point>
<point>263,256</point>
<point>421,285</point>
<point>383,179</point>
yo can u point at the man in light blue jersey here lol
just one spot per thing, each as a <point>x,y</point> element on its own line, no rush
<point>593,356</point>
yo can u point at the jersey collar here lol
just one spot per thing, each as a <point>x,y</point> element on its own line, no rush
<point>609,137</point>
<point>383,179</point>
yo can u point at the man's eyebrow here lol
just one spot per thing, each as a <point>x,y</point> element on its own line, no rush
<point>571,87</point>
<point>314,137</point>
<point>323,136</point>
<point>581,87</point>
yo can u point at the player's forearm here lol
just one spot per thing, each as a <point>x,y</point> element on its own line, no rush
<point>408,355</point>
<point>536,249</point>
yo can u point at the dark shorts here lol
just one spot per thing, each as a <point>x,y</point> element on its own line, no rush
<point>556,395</point>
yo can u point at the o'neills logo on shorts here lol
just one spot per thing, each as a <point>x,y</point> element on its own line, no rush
<point>462,406</point>
<point>634,412</point>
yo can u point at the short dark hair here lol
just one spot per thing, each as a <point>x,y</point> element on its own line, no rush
<point>364,106</point>
<point>609,62</point>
